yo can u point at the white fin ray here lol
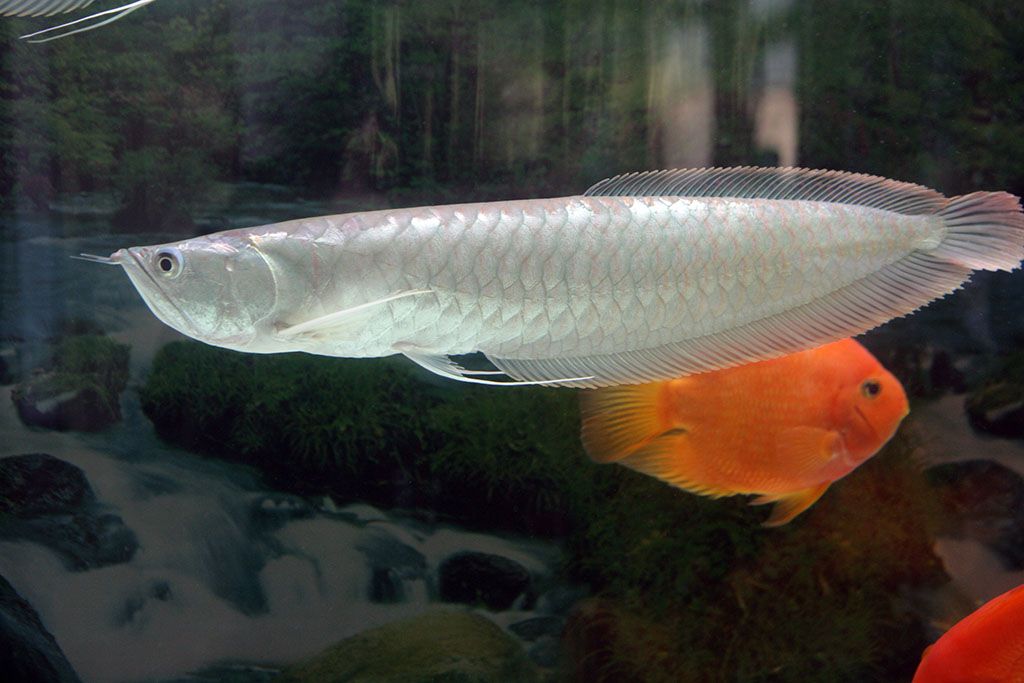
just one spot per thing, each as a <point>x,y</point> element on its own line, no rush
<point>339,321</point>
<point>798,184</point>
<point>117,12</point>
<point>893,291</point>
<point>443,366</point>
<point>986,231</point>
<point>39,8</point>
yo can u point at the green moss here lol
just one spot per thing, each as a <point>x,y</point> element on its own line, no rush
<point>448,647</point>
<point>95,359</point>
<point>376,429</point>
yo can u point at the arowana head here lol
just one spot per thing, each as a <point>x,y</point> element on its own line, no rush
<point>219,291</point>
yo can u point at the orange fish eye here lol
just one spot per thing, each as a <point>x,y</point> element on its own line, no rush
<point>870,388</point>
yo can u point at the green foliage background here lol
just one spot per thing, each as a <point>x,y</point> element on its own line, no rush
<point>458,99</point>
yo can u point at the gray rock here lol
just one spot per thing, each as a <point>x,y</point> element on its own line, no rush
<point>998,409</point>
<point>9,363</point>
<point>997,406</point>
<point>52,402</point>
<point>983,500</point>
<point>561,599</point>
<point>40,484</point>
<point>271,511</point>
<point>472,577</point>
<point>536,627</point>
<point>28,653</point>
<point>546,652</point>
<point>391,563</point>
<point>50,502</point>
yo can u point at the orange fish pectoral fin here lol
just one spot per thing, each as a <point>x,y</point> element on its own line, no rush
<point>670,458</point>
<point>616,421</point>
<point>789,505</point>
<point>807,449</point>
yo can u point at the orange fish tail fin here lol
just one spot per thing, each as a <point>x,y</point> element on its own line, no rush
<point>790,505</point>
<point>618,421</point>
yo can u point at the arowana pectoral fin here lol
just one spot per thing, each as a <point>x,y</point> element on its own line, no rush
<point>342,321</point>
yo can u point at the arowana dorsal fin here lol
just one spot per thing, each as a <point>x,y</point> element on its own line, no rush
<point>751,182</point>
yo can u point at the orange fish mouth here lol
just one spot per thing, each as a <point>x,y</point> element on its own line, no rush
<point>867,422</point>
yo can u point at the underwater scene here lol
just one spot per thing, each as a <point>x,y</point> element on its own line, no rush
<point>748,270</point>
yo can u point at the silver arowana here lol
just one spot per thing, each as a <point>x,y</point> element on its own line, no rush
<point>644,277</point>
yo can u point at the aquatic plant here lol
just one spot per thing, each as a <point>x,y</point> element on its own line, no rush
<point>811,601</point>
<point>376,430</point>
<point>690,588</point>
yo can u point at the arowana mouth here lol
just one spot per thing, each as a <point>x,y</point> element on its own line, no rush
<point>154,295</point>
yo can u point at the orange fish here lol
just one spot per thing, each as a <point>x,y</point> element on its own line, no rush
<point>986,646</point>
<point>784,428</point>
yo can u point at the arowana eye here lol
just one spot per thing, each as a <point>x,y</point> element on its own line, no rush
<point>168,262</point>
<point>871,388</point>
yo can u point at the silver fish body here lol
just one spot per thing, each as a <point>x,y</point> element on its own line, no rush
<point>586,290</point>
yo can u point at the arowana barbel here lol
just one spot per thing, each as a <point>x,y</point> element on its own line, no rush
<point>644,277</point>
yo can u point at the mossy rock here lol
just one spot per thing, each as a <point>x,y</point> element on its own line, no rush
<point>440,646</point>
<point>379,430</point>
<point>82,389</point>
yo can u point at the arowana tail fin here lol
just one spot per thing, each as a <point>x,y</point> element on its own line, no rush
<point>986,231</point>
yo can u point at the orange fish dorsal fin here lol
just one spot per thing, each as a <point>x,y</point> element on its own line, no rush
<point>789,505</point>
<point>670,458</point>
<point>616,421</point>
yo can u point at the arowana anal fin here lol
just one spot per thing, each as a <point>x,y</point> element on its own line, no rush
<point>442,365</point>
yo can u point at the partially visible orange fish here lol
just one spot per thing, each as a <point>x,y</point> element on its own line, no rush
<point>784,428</point>
<point>986,646</point>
